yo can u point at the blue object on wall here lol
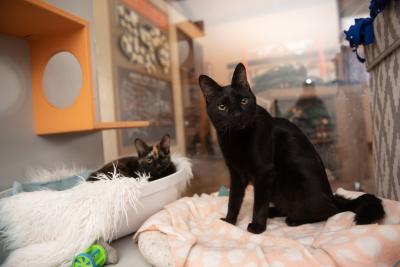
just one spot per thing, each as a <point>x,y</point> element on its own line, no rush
<point>362,32</point>
<point>376,7</point>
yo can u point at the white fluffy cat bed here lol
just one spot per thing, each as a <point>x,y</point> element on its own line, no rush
<point>48,228</point>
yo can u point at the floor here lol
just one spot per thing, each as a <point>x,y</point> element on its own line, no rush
<point>128,253</point>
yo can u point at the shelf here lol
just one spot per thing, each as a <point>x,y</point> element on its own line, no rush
<point>121,124</point>
<point>50,30</point>
<point>32,19</point>
<point>190,29</point>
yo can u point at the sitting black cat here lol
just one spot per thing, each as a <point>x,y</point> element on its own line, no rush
<point>152,160</point>
<point>277,158</point>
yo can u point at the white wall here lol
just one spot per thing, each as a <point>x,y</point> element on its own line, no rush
<point>20,147</point>
<point>236,29</point>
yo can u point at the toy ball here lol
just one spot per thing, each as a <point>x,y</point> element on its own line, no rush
<point>94,256</point>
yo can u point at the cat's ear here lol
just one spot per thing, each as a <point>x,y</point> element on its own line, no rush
<point>239,78</point>
<point>165,143</point>
<point>208,86</point>
<point>141,147</point>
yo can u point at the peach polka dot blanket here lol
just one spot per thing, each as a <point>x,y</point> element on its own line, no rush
<point>197,237</point>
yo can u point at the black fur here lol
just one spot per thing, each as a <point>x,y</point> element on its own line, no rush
<point>277,158</point>
<point>367,207</point>
<point>152,160</point>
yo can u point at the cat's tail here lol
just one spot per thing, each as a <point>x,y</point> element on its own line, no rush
<point>368,208</point>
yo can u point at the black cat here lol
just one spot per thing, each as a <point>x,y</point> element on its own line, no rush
<point>152,160</point>
<point>277,158</point>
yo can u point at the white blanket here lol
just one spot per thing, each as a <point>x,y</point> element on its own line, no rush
<point>48,228</point>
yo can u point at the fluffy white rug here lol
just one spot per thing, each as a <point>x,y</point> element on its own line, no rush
<point>48,228</point>
<point>45,175</point>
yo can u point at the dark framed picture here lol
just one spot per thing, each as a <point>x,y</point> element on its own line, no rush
<point>142,71</point>
<point>143,97</point>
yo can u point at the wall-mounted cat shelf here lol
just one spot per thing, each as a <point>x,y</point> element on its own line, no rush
<point>49,31</point>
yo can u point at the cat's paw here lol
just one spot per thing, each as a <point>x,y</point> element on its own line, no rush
<point>231,221</point>
<point>256,228</point>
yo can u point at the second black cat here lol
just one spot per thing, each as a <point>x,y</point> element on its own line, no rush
<point>152,160</point>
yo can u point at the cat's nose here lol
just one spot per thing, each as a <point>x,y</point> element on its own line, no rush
<point>236,114</point>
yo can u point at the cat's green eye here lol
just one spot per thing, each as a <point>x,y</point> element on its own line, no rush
<point>221,107</point>
<point>244,101</point>
<point>149,160</point>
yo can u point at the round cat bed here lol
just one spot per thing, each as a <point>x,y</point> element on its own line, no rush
<point>189,232</point>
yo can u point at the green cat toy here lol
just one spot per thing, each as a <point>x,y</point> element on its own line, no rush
<point>94,256</point>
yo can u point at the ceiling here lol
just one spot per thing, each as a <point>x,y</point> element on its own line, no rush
<point>222,11</point>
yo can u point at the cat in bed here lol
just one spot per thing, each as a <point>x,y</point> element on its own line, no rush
<point>152,160</point>
<point>276,156</point>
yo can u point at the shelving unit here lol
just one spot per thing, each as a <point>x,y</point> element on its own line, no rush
<point>48,31</point>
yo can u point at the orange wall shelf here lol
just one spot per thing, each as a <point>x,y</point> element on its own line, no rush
<point>50,30</point>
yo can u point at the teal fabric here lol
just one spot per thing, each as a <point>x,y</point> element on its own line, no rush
<point>63,184</point>
<point>223,191</point>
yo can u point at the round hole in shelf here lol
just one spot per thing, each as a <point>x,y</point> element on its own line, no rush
<point>62,80</point>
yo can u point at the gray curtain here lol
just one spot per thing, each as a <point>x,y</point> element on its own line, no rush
<point>383,63</point>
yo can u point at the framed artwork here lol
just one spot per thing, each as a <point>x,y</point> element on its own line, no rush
<point>144,37</point>
<point>143,97</point>
<point>142,68</point>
